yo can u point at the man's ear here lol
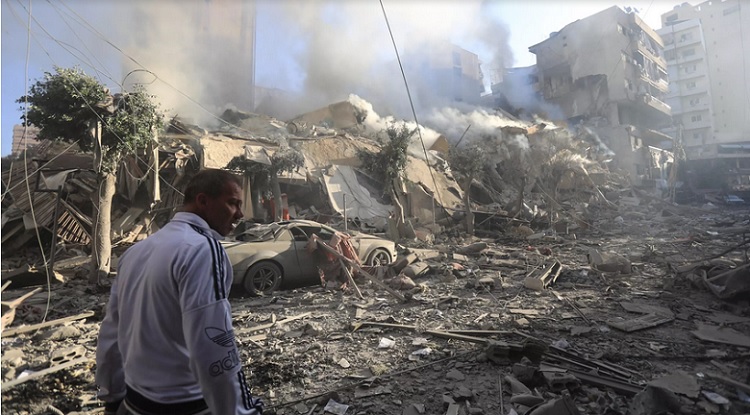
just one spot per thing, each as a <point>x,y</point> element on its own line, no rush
<point>201,200</point>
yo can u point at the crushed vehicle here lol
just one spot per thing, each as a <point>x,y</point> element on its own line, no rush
<point>265,257</point>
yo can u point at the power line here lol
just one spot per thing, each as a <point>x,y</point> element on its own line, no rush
<point>24,141</point>
<point>414,113</point>
<point>59,12</point>
<point>135,61</point>
<point>100,118</point>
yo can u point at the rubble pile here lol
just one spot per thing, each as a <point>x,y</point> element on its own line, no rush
<point>609,319</point>
<point>577,293</point>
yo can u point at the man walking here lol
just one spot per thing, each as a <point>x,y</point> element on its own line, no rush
<point>166,345</point>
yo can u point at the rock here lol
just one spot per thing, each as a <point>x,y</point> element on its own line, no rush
<point>402,282</point>
<point>311,329</point>
<point>462,393</point>
<point>416,269</point>
<point>62,333</point>
<point>455,375</point>
<point>486,282</point>
<point>13,357</point>
<point>522,322</point>
<point>609,262</point>
<point>476,411</point>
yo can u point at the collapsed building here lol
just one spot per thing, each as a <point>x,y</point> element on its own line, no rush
<point>331,185</point>
<point>606,76</point>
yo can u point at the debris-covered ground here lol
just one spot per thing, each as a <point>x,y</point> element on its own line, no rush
<point>646,313</point>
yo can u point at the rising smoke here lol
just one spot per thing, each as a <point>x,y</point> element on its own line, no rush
<point>336,48</point>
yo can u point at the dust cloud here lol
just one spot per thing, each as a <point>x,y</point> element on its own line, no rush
<point>326,50</point>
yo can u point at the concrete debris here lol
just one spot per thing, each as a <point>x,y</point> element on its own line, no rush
<point>576,249</point>
<point>654,401</point>
<point>609,262</point>
<point>723,335</point>
<point>679,383</point>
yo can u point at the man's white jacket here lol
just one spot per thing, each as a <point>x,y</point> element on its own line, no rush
<point>168,331</point>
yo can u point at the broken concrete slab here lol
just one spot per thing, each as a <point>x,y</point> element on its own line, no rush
<point>654,400</point>
<point>642,308</point>
<point>640,323</point>
<point>560,406</point>
<point>680,383</point>
<point>609,262</point>
<point>723,335</point>
<point>62,356</point>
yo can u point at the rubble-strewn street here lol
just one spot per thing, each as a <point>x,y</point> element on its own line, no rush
<point>470,331</point>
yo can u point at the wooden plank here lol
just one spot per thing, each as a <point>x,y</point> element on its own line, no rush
<point>269,325</point>
<point>45,372</point>
<point>33,327</point>
<point>351,279</point>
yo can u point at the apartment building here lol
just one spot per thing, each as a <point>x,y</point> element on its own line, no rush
<point>22,142</point>
<point>708,51</point>
<point>689,86</point>
<point>608,72</point>
<point>446,72</point>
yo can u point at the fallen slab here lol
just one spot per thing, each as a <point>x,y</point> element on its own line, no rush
<point>42,373</point>
<point>33,327</point>
<point>723,335</point>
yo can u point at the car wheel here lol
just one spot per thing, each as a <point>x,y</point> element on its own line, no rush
<point>262,278</point>
<point>379,257</point>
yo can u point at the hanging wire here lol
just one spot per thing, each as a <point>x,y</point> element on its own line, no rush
<point>414,113</point>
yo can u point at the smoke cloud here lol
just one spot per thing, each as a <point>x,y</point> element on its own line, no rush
<point>320,51</point>
<point>348,50</point>
<point>200,50</point>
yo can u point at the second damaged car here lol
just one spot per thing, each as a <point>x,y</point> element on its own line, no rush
<point>265,257</point>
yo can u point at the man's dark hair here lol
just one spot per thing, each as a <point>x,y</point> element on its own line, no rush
<point>211,182</point>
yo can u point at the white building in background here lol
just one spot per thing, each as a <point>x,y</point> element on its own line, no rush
<point>689,92</point>
<point>707,47</point>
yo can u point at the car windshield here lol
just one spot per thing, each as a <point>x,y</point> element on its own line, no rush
<point>258,232</point>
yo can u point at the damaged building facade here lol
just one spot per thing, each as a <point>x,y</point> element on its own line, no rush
<point>711,113</point>
<point>607,72</point>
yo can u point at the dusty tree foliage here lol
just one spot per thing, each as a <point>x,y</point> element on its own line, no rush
<point>387,166</point>
<point>68,105</point>
<point>389,163</point>
<point>264,177</point>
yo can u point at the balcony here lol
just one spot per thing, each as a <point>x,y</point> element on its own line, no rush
<point>655,103</point>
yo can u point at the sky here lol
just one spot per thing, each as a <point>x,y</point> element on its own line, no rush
<point>322,49</point>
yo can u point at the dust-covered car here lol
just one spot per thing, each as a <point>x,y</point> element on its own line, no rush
<point>266,256</point>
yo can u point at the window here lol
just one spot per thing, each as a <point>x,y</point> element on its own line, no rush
<point>620,29</point>
<point>456,59</point>
<point>690,85</point>
<point>730,10</point>
<point>690,68</point>
<point>686,36</point>
<point>299,236</point>
<point>671,18</point>
<point>696,118</point>
<point>695,101</point>
<point>670,55</point>
<point>688,52</point>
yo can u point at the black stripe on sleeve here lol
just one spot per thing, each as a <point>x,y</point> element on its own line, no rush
<point>214,261</point>
<point>243,389</point>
